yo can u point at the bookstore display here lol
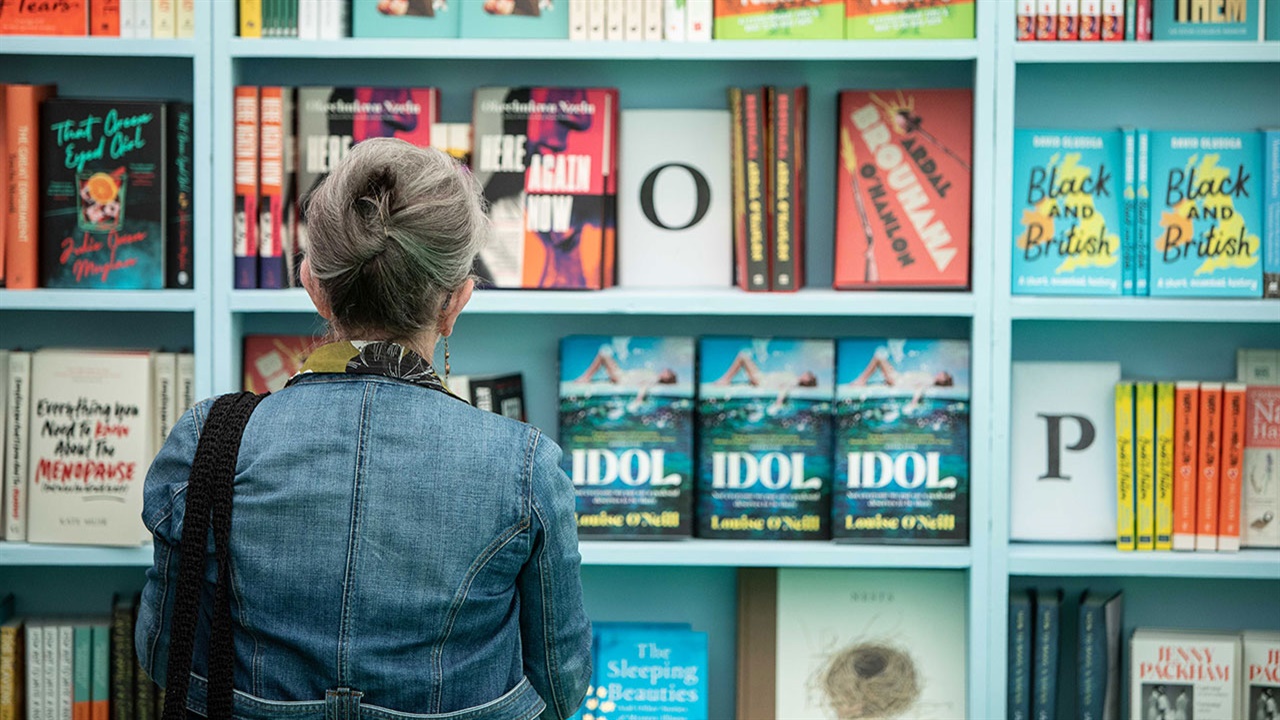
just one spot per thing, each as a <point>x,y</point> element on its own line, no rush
<point>159,19</point>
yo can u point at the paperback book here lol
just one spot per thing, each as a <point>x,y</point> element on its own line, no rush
<point>514,18</point>
<point>909,19</point>
<point>1260,524</point>
<point>626,428</point>
<point>779,19</point>
<point>644,671</point>
<point>901,441</point>
<point>406,18</point>
<point>500,394</point>
<point>270,360</point>
<point>1196,672</point>
<point>1224,20</point>
<point>1261,674</point>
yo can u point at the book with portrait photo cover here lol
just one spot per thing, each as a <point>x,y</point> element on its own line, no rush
<point>405,18</point>
<point>547,19</point>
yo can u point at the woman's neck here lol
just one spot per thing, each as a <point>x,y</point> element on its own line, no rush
<point>423,343</point>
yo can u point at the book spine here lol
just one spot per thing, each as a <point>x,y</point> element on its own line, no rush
<point>1145,464</point>
<point>1144,20</point>
<point>293,18</point>
<point>18,407</point>
<point>1091,671</point>
<point>180,233</point>
<point>673,20</point>
<point>1026,20</point>
<point>1124,467</point>
<point>653,20</point>
<point>128,19</point>
<point>104,18</point>
<point>246,182</point>
<point>22,232</point>
<point>100,673</point>
<point>1044,699</point>
<point>163,19</point>
<point>185,24</point>
<point>1068,14</point>
<point>782,161</point>
<point>755,142</point>
<point>1209,453</point>
<point>1186,468</point>
<point>1046,19</point>
<point>12,677</point>
<point>251,18</point>
<point>269,18</point>
<point>143,22</point>
<point>1142,258</point>
<point>699,17</point>
<point>4,185</point>
<point>186,383</point>
<point>163,396</point>
<point>66,674</point>
<point>82,666</point>
<point>1021,622</point>
<point>1130,20</point>
<point>309,25</point>
<point>122,662</point>
<point>1113,18</point>
<point>1164,465</point>
<point>633,21</point>
<point>144,694</point>
<point>737,132</point>
<point>1090,20</point>
<point>271,200</point>
<point>35,672</point>
<point>615,20</point>
<point>597,18</point>
<point>1129,236</point>
<point>1271,213</point>
<point>1231,493</point>
<point>577,19</point>
<point>50,671</point>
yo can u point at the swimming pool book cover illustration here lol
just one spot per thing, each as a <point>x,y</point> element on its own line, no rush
<point>626,428</point>
<point>547,160</point>
<point>1204,237</point>
<point>903,184</point>
<point>1068,212</point>
<point>908,19</point>
<point>901,441</point>
<point>764,438</point>
<point>102,203</point>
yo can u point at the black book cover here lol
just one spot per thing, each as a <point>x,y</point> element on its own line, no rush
<point>180,234</point>
<point>123,659</point>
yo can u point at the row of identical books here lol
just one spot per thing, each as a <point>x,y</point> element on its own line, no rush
<point>1138,212</point>
<point>772,439</point>
<point>74,667</point>
<point>106,18</point>
<point>1238,20</point>
<point>95,193</point>
<point>1171,673</point>
<point>80,429</point>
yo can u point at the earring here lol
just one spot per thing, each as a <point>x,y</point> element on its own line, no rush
<point>446,361</point>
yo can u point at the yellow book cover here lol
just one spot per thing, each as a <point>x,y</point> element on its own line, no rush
<point>251,18</point>
<point>185,26</point>
<point>1124,466</point>
<point>163,19</point>
<point>1145,464</point>
<point>1164,465</point>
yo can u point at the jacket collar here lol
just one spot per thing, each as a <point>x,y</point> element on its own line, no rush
<point>358,357</point>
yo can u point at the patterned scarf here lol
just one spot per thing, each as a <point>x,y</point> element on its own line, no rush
<point>358,357</point>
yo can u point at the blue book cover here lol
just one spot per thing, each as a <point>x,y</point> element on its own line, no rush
<point>626,428</point>
<point>764,434</point>
<point>1068,216</point>
<point>901,441</point>
<point>1098,657</point>
<point>1021,623</point>
<point>648,672</point>
<point>1142,218</point>
<point>1273,20</point>
<point>1044,699</point>
<point>1271,225</point>
<point>514,18</point>
<point>1129,235</point>
<point>1206,20</point>
<point>1206,214</point>
<point>405,18</point>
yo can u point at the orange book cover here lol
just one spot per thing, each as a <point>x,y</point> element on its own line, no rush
<point>22,232</point>
<point>1186,469</point>
<point>1230,490</point>
<point>245,177</point>
<point>44,17</point>
<point>1210,452</point>
<point>104,18</point>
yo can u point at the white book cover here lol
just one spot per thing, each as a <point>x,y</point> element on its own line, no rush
<point>633,24</point>
<point>4,438</point>
<point>308,20</point>
<point>35,670</point>
<point>18,410</point>
<point>164,17</point>
<point>1184,674</point>
<point>128,21</point>
<point>615,20</point>
<point>51,684</point>
<point>909,625</point>
<point>66,678</point>
<point>698,17</point>
<point>1258,367</point>
<point>597,18</point>
<point>141,17</point>
<point>185,27</point>
<point>673,20</point>
<point>90,447</point>
<point>675,212</point>
<point>653,20</point>
<point>330,20</point>
<point>164,396</point>
<point>1260,486</point>
<point>578,11</point>
<point>1261,675</point>
<point>186,384</point>
<point>1063,464</point>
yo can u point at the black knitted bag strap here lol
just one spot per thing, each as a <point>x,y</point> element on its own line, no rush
<point>208,502</point>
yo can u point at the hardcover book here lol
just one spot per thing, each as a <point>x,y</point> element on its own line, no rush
<point>626,427</point>
<point>1064,460</point>
<point>64,17</point>
<point>1271,198</point>
<point>1260,523</point>
<point>1203,20</point>
<point>546,158</point>
<point>23,133</point>
<point>16,450</point>
<point>1048,650</point>
<point>764,437</point>
<point>1021,626</point>
<point>500,394</point>
<point>1026,20</point>
<point>406,18</point>
<point>1098,656</point>
<point>180,227</point>
<point>1165,454</point>
<point>779,19</point>
<point>901,441</point>
<point>908,19</point>
<point>650,672</point>
<point>1068,213</point>
<point>1195,674</point>
<point>103,206</point>
<point>270,360</point>
<point>1260,674</point>
<point>903,182</point>
<point>1230,492</point>
<point>1126,469</point>
<point>1206,220</point>
<point>788,110</point>
<point>245,233</point>
<point>1186,434</point>
<point>277,220</point>
<point>514,18</point>
<point>1144,461</point>
<point>750,189</point>
<point>1209,478</point>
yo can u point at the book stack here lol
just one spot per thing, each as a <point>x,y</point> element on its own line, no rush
<point>82,218</point>
<point>646,670</point>
<point>1138,212</point>
<point>106,18</point>
<point>80,429</point>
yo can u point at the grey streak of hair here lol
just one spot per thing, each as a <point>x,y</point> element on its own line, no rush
<point>393,230</point>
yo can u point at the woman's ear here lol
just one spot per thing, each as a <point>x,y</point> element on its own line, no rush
<point>457,301</point>
<point>317,295</point>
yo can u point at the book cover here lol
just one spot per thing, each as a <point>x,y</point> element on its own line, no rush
<point>1144,29</point>
<point>104,17</point>
<point>909,19</point>
<point>1068,213</point>
<point>1090,20</point>
<point>673,25</point>
<point>652,19</point>
<point>13,674</point>
<point>64,17</point>
<point>1046,19</point>
<point>546,159</point>
<point>1260,674</point>
<point>246,240</point>
<point>633,20</point>
<point>1021,622</point>
<point>779,19</point>
<point>128,23</point>
<point>786,157</point>
<point>1069,19</point>
<point>24,132</point>
<point>1142,217</point>
<point>35,669</point>
<point>614,20</point>
<point>514,19</point>
<point>1129,217</point>
<point>578,12</point>
<point>164,399</point>
<point>1271,200</point>
<point>100,672</point>
<point>270,360</point>
<point>901,441</point>
<point>1227,20</point>
<point>52,683</point>
<point>275,186</point>
<point>164,17</point>
<point>180,228</point>
<point>699,19</point>
<point>16,447</point>
<point>1206,219</point>
<point>1230,491</point>
<point>143,19</point>
<point>186,18</point>
<point>66,676</point>
<point>1130,20</point>
<point>764,438</point>
<point>651,672</point>
<point>1186,432</point>
<point>408,18</point>
<point>1144,462</point>
<point>1063,464</point>
<point>186,390</point>
<point>1026,22</point>
<point>1209,452</point>
<point>500,394</point>
<point>1126,469</point>
<point>626,427</point>
<point>1098,656</point>
<point>674,199</point>
<point>1193,674</point>
<point>250,16</point>
<point>332,119</point>
<point>750,189</point>
<point>123,659</point>
<point>4,440</point>
<point>1258,367</point>
<point>1164,465</point>
<point>1260,526</point>
<point>1044,694</point>
<point>90,446</point>
<point>903,184</point>
<point>82,666</point>
<point>1113,20</point>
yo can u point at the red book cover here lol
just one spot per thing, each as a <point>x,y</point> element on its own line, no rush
<point>1046,19</point>
<point>274,196</point>
<point>786,160</point>
<point>1230,492</point>
<point>1210,454</point>
<point>903,187</point>
<point>246,182</point>
<point>1144,20</point>
<point>270,360</point>
<point>739,171</point>
<point>756,190</point>
<point>104,18</point>
<point>1026,20</point>
<point>22,143</point>
<point>44,17</point>
<point>1090,20</point>
<point>545,157</point>
<point>1113,20</point>
<point>1069,19</point>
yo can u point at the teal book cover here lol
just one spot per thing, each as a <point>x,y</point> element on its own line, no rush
<point>1206,19</point>
<point>547,19</point>
<point>1068,212</point>
<point>648,673</point>
<point>405,18</point>
<point>1273,20</point>
<point>1206,214</point>
<point>626,428</point>
<point>901,442</point>
<point>764,437</point>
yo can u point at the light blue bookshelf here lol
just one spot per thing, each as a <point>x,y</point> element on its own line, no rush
<point>695,581</point>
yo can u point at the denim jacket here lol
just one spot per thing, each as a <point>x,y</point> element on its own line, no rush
<point>395,554</point>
